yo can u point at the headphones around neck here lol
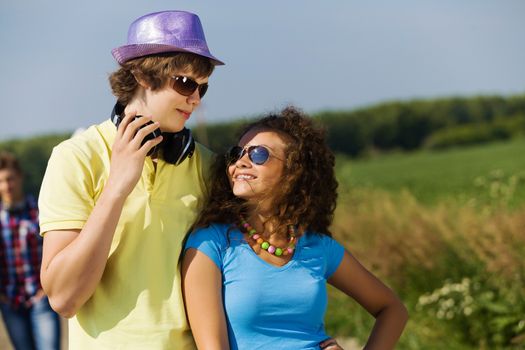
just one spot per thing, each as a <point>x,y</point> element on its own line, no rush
<point>175,146</point>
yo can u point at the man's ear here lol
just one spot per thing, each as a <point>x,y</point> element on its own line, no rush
<point>140,80</point>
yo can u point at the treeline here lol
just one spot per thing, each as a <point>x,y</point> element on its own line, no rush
<point>437,123</point>
<point>409,125</point>
<point>434,123</point>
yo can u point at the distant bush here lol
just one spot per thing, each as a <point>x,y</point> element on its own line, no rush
<point>408,125</point>
<point>469,134</point>
<point>346,135</point>
<point>515,124</point>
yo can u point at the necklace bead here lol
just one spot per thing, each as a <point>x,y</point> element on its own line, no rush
<point>257,238</point>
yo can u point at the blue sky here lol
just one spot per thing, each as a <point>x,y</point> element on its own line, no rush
<point>317,55</point>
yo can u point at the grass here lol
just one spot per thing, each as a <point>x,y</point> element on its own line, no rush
<point>426,220</point>
<point>418,250</point>
<point>432,176</point>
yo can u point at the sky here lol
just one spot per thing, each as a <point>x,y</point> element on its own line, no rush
<point>318,55</point>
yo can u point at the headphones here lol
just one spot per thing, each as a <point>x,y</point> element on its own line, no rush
<point>175,146</point>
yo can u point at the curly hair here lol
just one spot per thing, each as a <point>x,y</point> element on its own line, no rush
<point>155,70</point>
<point>307,190</point>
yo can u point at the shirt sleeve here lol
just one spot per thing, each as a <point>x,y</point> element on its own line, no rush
<point>66,196</point>
<point>209,241</point>
<point>334,253</point>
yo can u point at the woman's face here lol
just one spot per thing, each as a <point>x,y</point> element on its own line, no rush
<point>255,182</point>
<point>170,108</point>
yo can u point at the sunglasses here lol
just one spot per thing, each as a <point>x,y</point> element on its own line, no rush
<point>257,154</point>
<point>187,86</point>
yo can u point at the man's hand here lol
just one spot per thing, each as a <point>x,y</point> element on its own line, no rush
<point>127,158</point>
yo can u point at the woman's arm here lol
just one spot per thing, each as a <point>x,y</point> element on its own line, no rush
<point>202,291</point>
<point>73,261</point>
<point>380,301</point>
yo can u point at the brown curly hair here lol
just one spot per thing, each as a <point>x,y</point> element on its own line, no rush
<point>308,189</point>
<point>155,70</point>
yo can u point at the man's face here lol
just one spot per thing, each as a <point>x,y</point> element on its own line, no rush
<point>10,186</point>
<point>169,107</point>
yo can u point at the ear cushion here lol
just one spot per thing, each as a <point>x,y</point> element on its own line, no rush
<point>116,118</point>
<point>178,146</point>
<point>175,146</point>
<point>116,114</point>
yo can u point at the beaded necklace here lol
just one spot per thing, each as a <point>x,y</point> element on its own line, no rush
<point>256,237</point>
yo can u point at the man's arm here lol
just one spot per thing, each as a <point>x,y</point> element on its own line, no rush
<point>73,261</point>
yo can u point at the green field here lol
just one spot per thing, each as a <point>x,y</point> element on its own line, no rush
<point>426,222</point>
<point>432,176</point>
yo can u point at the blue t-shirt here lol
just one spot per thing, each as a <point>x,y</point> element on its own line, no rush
<point>270,307</point>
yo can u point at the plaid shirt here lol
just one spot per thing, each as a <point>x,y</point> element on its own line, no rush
<point>20,253</point>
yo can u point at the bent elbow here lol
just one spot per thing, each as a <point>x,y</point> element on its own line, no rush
<point>64,308</point>
<point>60,300</point>
<point>400,312</point>
<point>396,309</point>
<point>404,313</point>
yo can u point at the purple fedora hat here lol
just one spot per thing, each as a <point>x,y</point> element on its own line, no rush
<point>166,31</point>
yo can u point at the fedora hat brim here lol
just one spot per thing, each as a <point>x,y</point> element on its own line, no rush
<point>127,52</point>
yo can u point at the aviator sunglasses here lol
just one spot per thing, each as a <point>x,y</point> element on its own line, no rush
<point>187,86</point>
<point>257,154</point>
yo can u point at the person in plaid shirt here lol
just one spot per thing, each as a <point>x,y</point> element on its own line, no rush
<point>30,321</point>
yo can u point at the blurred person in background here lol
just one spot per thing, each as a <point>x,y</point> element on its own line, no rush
<point>28,317</point>
<point>118,198</point>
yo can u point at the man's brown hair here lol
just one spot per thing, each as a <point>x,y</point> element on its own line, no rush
<point>155,70</point>
<point>9,161</point>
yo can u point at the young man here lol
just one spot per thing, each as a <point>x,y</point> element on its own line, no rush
<point>29,320</point>
<point>118,199</point>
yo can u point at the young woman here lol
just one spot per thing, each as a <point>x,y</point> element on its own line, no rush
<point>118,199</point>
<point>255,269</point>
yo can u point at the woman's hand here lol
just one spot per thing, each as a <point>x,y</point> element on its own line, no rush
<point>127,158</point>
<point>330,344</point>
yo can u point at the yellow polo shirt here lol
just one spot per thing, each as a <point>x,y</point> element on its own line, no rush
<point>138,303</point>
